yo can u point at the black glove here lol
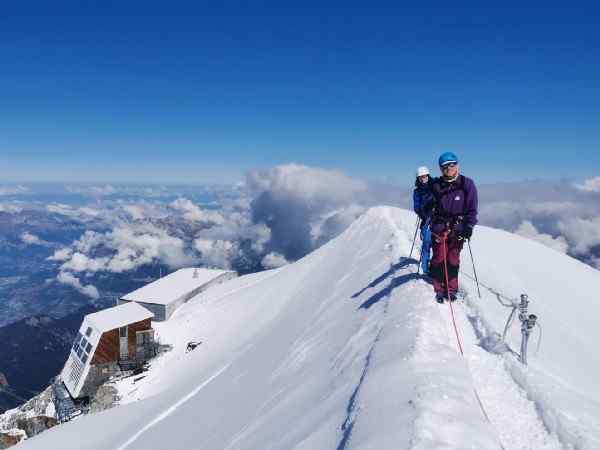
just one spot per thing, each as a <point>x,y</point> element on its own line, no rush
<point>466,233</point>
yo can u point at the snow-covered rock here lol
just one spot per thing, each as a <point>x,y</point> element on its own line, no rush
<point>346,349</point>
<point>31,418</point>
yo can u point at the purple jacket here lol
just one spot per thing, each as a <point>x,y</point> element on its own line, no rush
<point>455,204</point>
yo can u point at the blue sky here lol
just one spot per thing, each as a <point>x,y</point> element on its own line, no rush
<point>192,92</point>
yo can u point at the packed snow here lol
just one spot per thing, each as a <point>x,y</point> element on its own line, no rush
<point>346,349</point>
<point>174,286</point>
<point>118,316</point>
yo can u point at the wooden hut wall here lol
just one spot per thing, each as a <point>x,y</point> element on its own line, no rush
<point>131,339</point>
<point>108,348</point>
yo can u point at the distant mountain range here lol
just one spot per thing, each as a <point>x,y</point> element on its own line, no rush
<point>33,351</point>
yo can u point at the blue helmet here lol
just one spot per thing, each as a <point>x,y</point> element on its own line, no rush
<point>446,158</point>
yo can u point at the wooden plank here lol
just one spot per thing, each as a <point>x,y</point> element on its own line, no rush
<point>108,348</point>
<point>132,329</point>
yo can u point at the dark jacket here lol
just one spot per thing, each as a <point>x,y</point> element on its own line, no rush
<point>423,200</point>
<point>455,204</point>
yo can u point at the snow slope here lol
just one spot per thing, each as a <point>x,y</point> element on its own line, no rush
<point>345,349</point>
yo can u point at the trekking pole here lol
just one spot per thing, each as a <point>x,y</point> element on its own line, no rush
<point>414,238</point>
<point>474,271</point>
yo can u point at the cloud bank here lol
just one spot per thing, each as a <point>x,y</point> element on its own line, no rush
<point>561,215</point>
<point>590,185</point>
<point>280,214</point>
<point>69,279</point>
<point>293,201</point>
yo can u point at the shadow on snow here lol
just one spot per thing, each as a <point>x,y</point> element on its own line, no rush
<point>395,282</point>
<point>404,262</point>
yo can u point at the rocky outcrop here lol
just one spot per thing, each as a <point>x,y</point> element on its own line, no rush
<point>105,398</point>
<point>38,415</point>
<point>27,420</point>
<point>35,425</point>
<point>10,438</point>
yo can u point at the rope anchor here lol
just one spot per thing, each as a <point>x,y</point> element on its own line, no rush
<point>527,324</point>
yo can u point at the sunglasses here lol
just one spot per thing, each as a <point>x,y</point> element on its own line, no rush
<point>448,166</point>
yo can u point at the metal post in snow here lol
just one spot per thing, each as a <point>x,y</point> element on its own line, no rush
<point>528,321</point>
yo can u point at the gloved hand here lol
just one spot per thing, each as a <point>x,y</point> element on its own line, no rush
<point>466,233</point>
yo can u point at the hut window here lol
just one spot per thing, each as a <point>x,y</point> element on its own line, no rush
<point>83,343</point>
<point>77,340</point>
<point>84,358</point>
<point>88,332</point>
<point>88,348</point>
<point>123,332</point>
<point>143,337</point>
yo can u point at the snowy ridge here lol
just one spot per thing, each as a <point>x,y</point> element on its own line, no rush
<point>346,349</point>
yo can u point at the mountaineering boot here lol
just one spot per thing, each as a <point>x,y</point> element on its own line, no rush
<point>452,297</point>
<point>439,298</point>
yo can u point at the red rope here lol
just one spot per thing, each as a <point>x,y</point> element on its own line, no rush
<point>444,238</point>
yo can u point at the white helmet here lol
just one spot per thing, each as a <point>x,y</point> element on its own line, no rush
<point>422,171</point>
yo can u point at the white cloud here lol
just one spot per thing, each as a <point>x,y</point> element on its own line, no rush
<point>89,211</point>
<point>314,185</point>
<point>528,230</point>
<point>131,245</point>
<point>137,246</point>
<point>83,214</point>
<point>31,239</point>
<point>69,279</point>
<point>582,234</point>
<point>61,208</point>
<point>88,241</point>
<point>590,185</point>
<point>293,200</point>
<point>78,262</point>
<point>62,254</point>
<point>193,213</point>
<point>13,190</point>
<point>217,253</point>
<point>137,212</point>
<point>95,191</point>
<point>10,208</point>
<point>274,260</point>
<point>553,208</point>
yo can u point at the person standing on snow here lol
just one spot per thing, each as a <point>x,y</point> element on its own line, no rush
<point>423,205</point>
<point>452,222</point>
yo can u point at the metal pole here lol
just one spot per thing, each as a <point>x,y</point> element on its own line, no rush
<point>414,238</point>
<point>474,271</point>
<point>524,332</point>
<point>528,321</point>
<point>524,340</point>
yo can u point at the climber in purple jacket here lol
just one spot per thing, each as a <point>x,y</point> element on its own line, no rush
<point>452,222</point>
